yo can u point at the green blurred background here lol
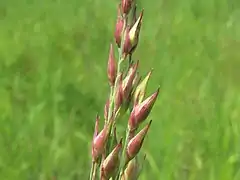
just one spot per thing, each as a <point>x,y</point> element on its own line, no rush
<point>53,81</point>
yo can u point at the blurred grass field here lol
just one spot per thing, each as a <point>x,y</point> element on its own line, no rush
<point>53,56</point>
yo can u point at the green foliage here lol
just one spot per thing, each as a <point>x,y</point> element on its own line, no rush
<point>53,81</point>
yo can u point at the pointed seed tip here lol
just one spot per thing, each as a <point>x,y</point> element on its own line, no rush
<point>97,116</point>
<point>137,63</point>
<point>150,122</point>
<point>141,14</point>
<point>145,156</point>
<point>155,94</point>
<point>150,72</point>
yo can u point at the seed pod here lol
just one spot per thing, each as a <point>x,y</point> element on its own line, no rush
<point>132,36</point>
<point>111,163</point>
<point>96,129</point>
<point>119,27</point>
<point>140,91</point>
<point>141,111</point>
<point>106,108</point>
<point>99,141</point>
<point>126,6</point>
<point>132,170</point>
<point>128,81</point>
<point>136,142</point>
<point>112,69</point>
<point>119,94</point>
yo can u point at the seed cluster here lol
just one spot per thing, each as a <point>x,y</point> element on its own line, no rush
<point>113,157</point>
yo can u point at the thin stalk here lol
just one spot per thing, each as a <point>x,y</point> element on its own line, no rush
<point>120,59</point>
<point>122,159</point>
<point>111,106</point>
<point>114,90</point>
<point>110,109</point>
<point>93,171</point>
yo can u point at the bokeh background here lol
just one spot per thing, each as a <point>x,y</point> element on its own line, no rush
<point>53,56</point>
